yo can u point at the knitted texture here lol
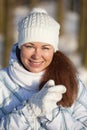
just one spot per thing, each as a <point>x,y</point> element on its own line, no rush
<point>38,26</point>
<point>44,102</point>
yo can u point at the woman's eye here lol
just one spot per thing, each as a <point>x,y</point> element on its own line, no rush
<point>46,48</point>
<point>29,46</point>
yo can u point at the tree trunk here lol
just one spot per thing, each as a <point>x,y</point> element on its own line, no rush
<point>8,30</point>
<point>33,3</point>
<point>2,12</point>
<point>61,11</point>
<point>83,31</point>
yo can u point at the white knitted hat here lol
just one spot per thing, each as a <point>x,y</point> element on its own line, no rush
<point>38,26</point>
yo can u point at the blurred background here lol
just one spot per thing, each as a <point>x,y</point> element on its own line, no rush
<point>72,16</point>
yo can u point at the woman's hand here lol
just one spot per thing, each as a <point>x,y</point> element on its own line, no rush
<point>45,100</point>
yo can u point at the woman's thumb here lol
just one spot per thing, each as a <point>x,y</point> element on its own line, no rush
<point>49,83</point>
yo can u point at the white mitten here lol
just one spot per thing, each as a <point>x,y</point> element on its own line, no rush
<point>45,100</point>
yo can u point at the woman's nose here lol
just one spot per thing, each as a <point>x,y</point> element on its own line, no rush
<point>37,53</point>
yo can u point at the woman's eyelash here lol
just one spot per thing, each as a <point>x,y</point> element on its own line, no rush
<point>46,48</point>
<point>29,46</point>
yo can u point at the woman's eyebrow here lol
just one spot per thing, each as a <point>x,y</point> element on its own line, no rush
<point>47,45</point>
<point>29,43</point>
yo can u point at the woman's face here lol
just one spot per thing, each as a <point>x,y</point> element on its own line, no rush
<point>36,57</point>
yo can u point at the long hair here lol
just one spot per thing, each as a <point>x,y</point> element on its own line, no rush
<point>62,71</point>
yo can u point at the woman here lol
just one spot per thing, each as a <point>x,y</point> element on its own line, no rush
<point>40,90</point>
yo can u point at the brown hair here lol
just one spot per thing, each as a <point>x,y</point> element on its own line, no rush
<point>62,71</point>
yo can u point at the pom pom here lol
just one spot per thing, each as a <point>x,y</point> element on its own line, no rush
<point>39,10</point>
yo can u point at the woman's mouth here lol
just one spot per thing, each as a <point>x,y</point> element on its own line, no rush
<point>35,63</point>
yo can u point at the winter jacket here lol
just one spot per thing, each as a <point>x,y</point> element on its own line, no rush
<point>17,114</point>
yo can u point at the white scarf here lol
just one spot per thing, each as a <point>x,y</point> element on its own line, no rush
<point>23,77</point>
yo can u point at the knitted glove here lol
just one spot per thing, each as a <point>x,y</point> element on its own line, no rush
<point>45,100</point>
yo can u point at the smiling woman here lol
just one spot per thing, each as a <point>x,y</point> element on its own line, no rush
<point>40,89</point>
<point>36,57</point>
